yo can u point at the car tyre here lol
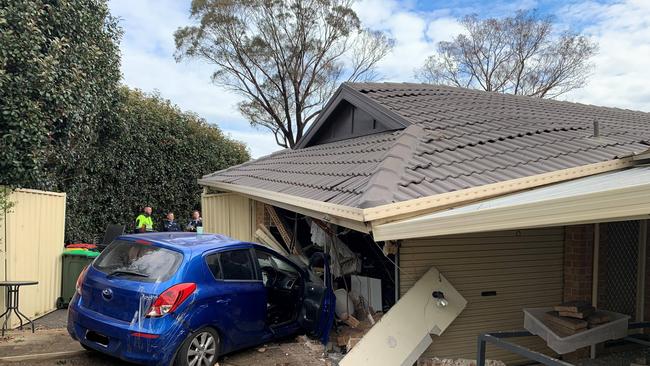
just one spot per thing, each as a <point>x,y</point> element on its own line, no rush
<point>201,348</point>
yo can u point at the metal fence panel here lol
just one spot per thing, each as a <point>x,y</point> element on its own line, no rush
<point>32,242</point>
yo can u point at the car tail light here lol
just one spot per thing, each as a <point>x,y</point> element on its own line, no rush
<point>80,279</point>
<point>144,335</point>
<point>169,300</point>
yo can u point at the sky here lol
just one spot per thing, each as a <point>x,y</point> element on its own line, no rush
<point>620,78</point>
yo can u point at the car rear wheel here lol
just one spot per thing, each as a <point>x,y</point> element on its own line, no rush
<point>201,348</point>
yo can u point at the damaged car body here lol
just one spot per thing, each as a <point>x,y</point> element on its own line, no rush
<point>186,299</point>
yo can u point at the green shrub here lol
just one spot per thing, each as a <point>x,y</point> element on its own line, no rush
<point>67,125</point>
<point>152,155</point>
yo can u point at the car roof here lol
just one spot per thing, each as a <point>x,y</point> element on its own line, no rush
<point>186,242</point>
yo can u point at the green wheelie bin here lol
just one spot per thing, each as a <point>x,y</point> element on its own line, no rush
<point>74,261</point>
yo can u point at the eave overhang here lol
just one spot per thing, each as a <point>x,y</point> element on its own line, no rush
<point>386,222</point>
<point>613,196</point>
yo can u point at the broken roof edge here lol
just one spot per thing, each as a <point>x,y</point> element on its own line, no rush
<point>361,217</point>
<point>610,196</point>
<point>359,100</point>
<point>346,212</point>
<point>400,210</point>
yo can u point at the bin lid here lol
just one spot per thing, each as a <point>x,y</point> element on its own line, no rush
<point>81,253</point>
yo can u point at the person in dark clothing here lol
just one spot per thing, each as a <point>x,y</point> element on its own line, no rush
<point>169,224</point>
<point>195,221</point>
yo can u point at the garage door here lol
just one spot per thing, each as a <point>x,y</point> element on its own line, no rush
<point>499,273</point>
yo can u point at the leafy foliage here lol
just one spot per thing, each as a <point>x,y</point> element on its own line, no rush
<point>521,54</point>
<point>285,58</point>
<point>67,125</point>
<point>59,76</point>
<point>151,156</point>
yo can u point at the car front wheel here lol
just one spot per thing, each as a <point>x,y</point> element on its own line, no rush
<point>201,348</point>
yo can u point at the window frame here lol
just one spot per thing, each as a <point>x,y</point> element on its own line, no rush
<point>218,253</point>
<point>278,258</point>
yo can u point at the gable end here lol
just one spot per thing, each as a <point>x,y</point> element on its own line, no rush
<point>350,113</point>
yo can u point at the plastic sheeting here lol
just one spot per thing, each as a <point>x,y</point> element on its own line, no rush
<point>343,260</point>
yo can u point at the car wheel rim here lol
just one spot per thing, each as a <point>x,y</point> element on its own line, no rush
<point>202,350</point>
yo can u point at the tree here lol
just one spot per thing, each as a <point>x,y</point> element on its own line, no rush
<point>285,58</point>
<point>520,55</point>
<point>152,154</point>
<point>59,79</point>
<point>67,125</point>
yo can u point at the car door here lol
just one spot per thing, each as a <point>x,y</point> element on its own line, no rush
<point>239,299</point>
<point>317,314</point>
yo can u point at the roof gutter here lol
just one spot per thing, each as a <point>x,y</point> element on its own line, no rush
<point>359,219</point>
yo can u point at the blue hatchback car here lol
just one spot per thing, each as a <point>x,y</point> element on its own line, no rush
<point>185,299</point>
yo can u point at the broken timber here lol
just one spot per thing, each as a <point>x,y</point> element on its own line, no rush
<point>284,233</point>
<point>404,333</point>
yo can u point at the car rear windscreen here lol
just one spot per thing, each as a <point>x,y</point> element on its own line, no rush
<point>138,262</point>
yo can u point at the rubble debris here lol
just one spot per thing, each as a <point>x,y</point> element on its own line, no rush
<point>343,260</point>
<point>455,362</point>
<point>573,317</point>
<point>573,306</point>
<point>352,321</point>
<point>554,318</point>
<point>348,336</point>
<point>344,304</point>
<point>575,309</point>
<point>598,318</point>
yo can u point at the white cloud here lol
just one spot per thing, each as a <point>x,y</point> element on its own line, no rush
<point>259,143</point>
<point>621,77</point>
<point>148,64</point>
<point>416,34</point>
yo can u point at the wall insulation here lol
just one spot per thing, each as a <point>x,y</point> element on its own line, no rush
<point>498,273</point>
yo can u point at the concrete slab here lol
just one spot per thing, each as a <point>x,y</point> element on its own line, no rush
<point>24,343</point>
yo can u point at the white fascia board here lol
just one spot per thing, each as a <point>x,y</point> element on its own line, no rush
<point>404,333</point>
<point>606,197</point>
<point>325,208</point>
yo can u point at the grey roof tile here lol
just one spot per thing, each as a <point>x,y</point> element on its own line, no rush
<point>470,138</point>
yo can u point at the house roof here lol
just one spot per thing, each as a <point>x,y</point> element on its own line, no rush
<point>455,139</point>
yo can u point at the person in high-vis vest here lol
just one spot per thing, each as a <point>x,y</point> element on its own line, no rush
<point>144,223</point>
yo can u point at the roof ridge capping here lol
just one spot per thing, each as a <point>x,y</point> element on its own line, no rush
<point>368,87</point>
<point>386,177</point>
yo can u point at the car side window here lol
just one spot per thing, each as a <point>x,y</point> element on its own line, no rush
<point>268,260</point>
<point>237,265</point>
<point>212,261</point>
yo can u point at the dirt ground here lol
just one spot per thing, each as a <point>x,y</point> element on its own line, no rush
<point>51,336</point>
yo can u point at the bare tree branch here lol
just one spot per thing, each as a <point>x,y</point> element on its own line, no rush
<point>285,57</point>
<point>518,55</point>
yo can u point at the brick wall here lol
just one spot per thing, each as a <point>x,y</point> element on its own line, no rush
<point>578,262</point>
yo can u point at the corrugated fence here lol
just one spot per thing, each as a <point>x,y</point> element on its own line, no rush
<point>31,243</point>
<point>229,214</point>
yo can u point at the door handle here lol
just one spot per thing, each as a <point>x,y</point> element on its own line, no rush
<point>223,301</point>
